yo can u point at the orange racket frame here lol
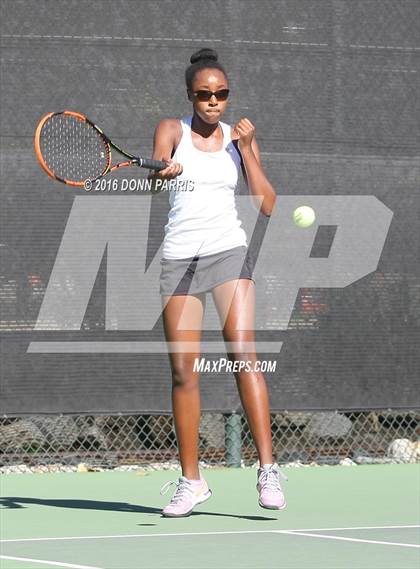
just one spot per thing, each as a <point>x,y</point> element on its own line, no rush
<point>133,160</point>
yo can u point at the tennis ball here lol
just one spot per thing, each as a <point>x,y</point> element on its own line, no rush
<point>304,216</point>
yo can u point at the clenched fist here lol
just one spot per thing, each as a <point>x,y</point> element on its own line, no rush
<point>172,170</point>
<point>244,131</point>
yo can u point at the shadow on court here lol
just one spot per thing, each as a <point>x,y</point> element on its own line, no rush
<point>17,502</point>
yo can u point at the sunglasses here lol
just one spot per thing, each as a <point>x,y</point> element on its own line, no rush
<point>203,95</point>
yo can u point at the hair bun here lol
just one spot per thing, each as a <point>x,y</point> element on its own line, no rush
<point>203,54</point>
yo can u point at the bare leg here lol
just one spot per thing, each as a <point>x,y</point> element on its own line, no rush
<point>185,381</point>
<point>236,311</point>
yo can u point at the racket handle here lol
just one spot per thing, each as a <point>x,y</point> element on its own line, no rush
<point>152,164</point>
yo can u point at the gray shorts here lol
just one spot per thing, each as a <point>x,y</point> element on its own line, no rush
<point>196,275</point>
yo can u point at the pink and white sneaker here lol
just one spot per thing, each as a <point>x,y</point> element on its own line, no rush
<point>269,488</point>
<point>188,494</point>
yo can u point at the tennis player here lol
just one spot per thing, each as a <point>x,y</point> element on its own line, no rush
<point>205,250</point>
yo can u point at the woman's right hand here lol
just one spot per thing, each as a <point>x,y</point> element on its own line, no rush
<point>172,170</point>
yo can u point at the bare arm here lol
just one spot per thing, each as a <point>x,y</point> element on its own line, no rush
<point>257,181</point>
<point>164,141</point>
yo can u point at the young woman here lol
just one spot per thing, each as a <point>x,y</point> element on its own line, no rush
<point>205,250</point>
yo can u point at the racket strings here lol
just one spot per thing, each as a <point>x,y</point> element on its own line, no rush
<point>73,149</point>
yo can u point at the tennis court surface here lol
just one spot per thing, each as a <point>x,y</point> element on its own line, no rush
<point>337,517</point>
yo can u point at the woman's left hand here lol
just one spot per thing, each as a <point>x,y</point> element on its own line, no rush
<point>245,131</point>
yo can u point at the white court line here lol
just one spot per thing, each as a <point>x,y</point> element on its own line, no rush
<point>352,528</point>
<point>305,534</point>
<point>239,532</point>
<point>56,563</point>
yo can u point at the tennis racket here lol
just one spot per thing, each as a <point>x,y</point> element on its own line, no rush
<point>72,149</point>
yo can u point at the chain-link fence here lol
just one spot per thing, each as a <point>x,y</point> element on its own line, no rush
<point>298,437</point>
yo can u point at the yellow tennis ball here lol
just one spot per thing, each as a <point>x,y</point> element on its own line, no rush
<point>304,216</point>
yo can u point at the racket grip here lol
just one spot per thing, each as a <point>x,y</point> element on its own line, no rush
<point>152,164</point>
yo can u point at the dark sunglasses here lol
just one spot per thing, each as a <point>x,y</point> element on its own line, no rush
<point>203,95</point>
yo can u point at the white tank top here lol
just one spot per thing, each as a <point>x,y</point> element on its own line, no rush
<point>203,218</point>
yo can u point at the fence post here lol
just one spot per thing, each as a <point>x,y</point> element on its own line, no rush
<point>233,439</point>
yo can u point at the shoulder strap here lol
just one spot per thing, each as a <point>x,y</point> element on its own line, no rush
<point>226,133</point>
<point>186,124</point>
<point>236,146</point>
<point>186,136</point>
